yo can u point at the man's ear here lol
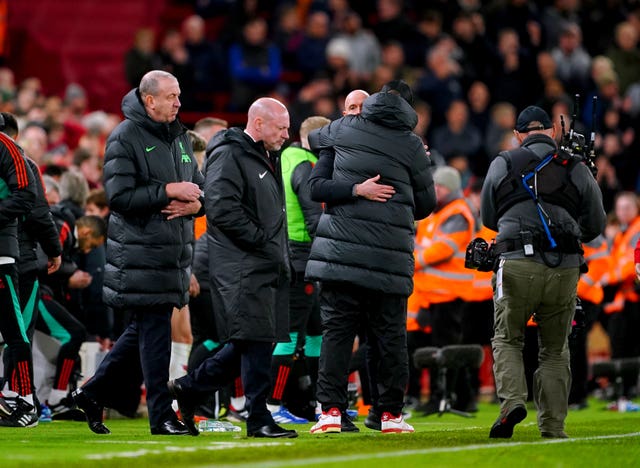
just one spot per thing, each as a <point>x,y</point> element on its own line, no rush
<point>149,101</point>
<point>519,136</point>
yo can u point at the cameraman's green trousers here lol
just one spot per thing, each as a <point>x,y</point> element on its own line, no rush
<point>522,288</point>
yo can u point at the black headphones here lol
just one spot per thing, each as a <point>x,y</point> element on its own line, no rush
<point>1,121</point>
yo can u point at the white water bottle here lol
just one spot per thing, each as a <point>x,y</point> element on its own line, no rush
<point>211,425</point>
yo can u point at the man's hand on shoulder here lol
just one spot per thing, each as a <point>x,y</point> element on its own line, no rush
<point>372,190</point>
<point>184,191</point>
<point>177,208</point>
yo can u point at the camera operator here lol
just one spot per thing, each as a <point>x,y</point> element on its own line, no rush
<point>543,202</point>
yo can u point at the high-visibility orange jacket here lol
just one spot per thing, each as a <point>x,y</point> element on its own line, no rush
<point>441,241</point>
<point>623,270</point>
<point>200,226</point>
<point>598,258</point>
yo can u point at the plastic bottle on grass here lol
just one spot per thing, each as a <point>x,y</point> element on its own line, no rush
<point>211,425</point>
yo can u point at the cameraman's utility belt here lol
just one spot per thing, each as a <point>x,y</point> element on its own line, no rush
<point>566,245</point>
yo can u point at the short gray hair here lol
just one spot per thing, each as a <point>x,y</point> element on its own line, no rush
<point>149,84</point>
<point>73,186</point>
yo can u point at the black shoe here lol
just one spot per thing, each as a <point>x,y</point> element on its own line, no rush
<point>273,431</point>
<point>92,411</point>
<point>469,407</point>
<point>503,427</point>
<point>554,435</point>
<point>171,427</point>
<point>66,410</point>
<point>186,407</point>
<point>346,425</point>
<point>373,421</point>
<point>430,407</point>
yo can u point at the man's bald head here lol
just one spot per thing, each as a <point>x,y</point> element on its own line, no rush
<point>353,102</point>
<point>268,121</point>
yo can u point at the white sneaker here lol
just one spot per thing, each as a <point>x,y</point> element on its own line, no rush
<point>393,424</point>
<point>329,421</point>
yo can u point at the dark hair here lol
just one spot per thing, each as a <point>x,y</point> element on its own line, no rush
<point>54,170</point>
<point>97,225</point>
<point>400,88</point>
<point>8,124</point>
<point>98,197</point>
<point>81,155</point>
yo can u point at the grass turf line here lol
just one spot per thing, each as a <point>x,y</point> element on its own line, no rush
<point>439,441</point>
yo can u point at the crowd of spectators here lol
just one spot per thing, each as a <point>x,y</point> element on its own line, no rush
<point>473,65</point>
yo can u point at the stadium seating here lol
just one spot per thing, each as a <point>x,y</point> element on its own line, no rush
<point>80,41</point>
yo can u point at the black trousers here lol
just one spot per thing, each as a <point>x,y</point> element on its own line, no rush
<point>249,359</point>
<point>304,316</point>
<point>14,333</point>
<point>579,357</point>
<point>29,289</point>
<point>144,348</point>
<point>623,329</point>
<point>202,317</point>
<point>342,308</point>
<point>56,321</point>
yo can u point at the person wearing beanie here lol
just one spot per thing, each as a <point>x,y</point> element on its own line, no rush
<point>441,283</point>
<point>543,203</point>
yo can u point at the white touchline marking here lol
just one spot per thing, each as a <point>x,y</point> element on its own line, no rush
<point>406,453</point>
<point>112,441</point>
<point>213,446</point>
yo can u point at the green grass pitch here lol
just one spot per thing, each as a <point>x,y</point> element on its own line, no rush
<point>599,438</point>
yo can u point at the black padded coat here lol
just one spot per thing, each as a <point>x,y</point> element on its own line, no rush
<point>148,256</point>
<point>247,240</point>
<point>362,242</point>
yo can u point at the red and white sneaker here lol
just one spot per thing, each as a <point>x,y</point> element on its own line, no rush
<point>329,421</point>
<point>394,424</point>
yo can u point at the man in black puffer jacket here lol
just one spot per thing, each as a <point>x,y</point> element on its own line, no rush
<point>248,265</point>
<point>154,189</point>
<point>363,250</point>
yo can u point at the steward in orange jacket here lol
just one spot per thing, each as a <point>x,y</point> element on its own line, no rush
<point>597,256</point>
<point>441,240</point>
<point>440,276</point>
<point>441,281</point>
<point>623,266</point>
<point>624,311</point>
